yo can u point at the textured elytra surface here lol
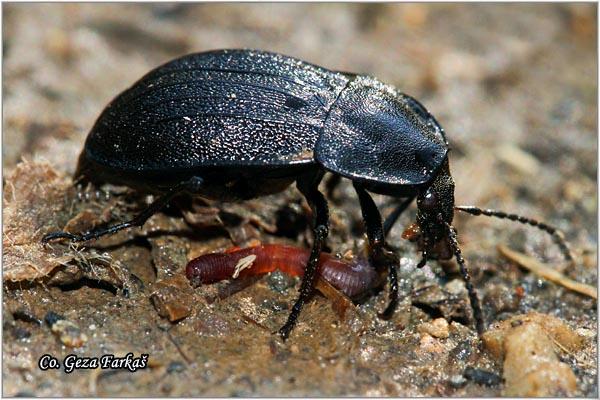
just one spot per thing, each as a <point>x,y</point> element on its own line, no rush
<point>373,133</point>
<point>217,108</point>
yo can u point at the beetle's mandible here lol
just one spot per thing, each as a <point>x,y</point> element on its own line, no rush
<point>237,124</point>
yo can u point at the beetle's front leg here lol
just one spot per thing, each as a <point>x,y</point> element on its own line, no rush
<point>381,256</point>
<point>308,185</point>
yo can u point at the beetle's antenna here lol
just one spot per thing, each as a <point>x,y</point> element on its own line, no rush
<point>475,305</point>
<point>557,235</point>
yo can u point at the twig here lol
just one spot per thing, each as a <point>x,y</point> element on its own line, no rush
<point>584,363</point>
<point>546,272</point>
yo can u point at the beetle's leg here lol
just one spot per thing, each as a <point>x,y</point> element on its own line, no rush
<point>192,186</point>
<point>475,305</point>
<point>380,255</point>
<point>391,219</point>
<point>308,185</point>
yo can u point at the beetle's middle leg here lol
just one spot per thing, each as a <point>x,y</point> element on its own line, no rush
<point>309,187</point>
<point>380,254</point>
<point>192,185</point>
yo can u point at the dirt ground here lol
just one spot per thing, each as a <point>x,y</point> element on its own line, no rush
<point>514,86</point>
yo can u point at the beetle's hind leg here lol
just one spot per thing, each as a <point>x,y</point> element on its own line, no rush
<point>308,185</point>
<point>380,255</point>
<point>192,185</point>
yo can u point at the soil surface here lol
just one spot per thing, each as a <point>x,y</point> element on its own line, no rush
<point>514,86</point>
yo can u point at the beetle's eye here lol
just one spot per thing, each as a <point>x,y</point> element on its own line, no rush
<point>429,201</point>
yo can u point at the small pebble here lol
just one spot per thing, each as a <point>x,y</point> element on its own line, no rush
<point>494,337</point>
<point>500,298</point>
<point>51,317</point>
<point>456,328</point>
<point>175,366</point>
<point>280,282</point>
<point>531,367</point>
<point>437,328</point>
<point>171,298</point>
<point>429,344</point>
<point>69,333</point>
<point>457,381</point>
<point>585,333</point>
<point>482,377</point>
<point>455,286</point>
<point>462,351</point>
<point>21,333</point>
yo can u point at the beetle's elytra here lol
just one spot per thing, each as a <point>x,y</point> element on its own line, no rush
<point>237,124</point>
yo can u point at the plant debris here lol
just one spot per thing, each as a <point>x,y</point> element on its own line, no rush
<point>547,272</point>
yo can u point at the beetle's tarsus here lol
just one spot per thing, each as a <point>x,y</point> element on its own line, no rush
<point>393,294</point>
<point>285,330</point>
<point>59,235</point>
<point>308,185</point>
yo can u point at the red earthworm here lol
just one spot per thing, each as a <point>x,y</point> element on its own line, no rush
<point>350,277</point>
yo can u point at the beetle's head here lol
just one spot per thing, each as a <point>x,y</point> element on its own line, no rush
<point>435,209</point>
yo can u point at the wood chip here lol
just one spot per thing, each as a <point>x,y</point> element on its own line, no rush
<point>339,301</point>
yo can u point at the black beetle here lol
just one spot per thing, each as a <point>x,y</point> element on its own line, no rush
<point>237,124</point>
